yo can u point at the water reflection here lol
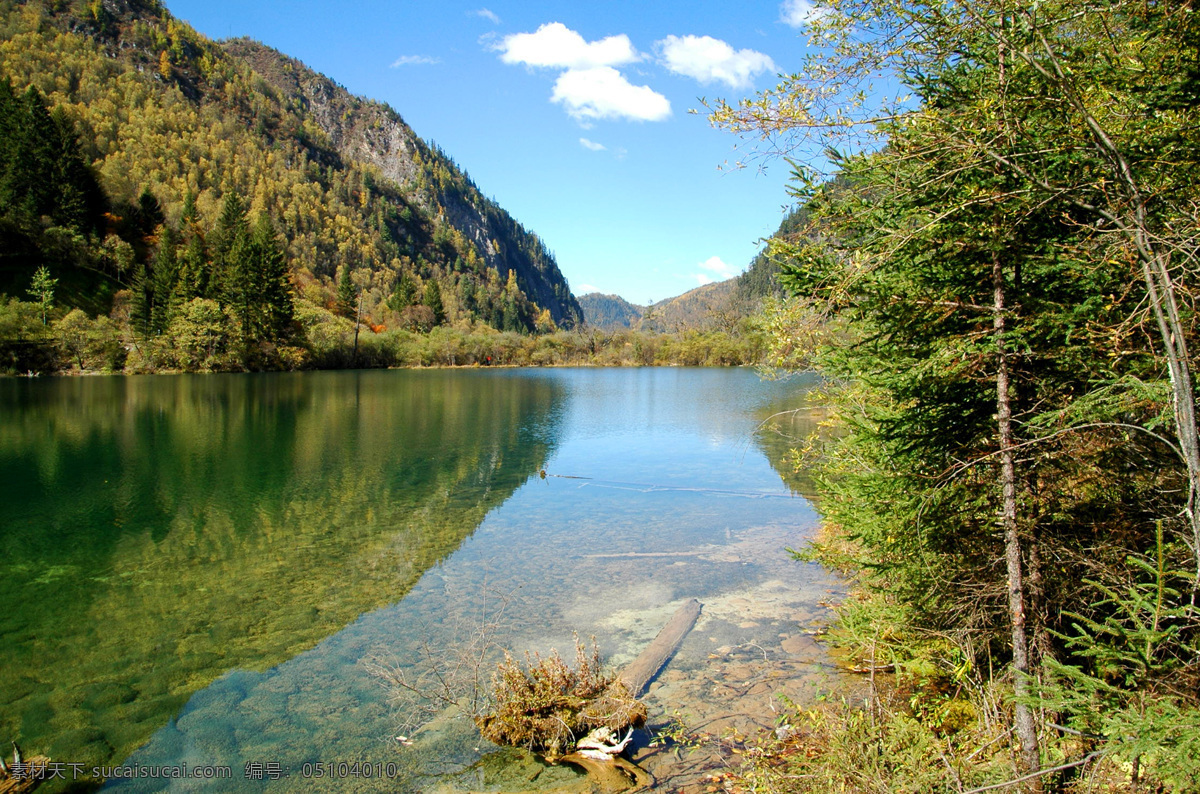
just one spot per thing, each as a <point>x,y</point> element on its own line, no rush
<point>161,531</point>
<point>656,491</point>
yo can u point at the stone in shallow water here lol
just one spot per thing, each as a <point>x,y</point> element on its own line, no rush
<point>799,644</point>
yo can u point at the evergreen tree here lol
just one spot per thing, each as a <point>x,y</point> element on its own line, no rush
<point>164,276</point>
<point>272,289</point>
<point>229,233</point>
<point>189,215</point>
<point>404,294</point>
<point>79,201</point>
<point>984,273</point>
<point>346,294</point>
<point>141,302</point>
<point>147,215</point>
<point>466,296</point>
<point>42,171</point>
<point>193,270</point>
<point>239,279</point>
<point>433,300</point>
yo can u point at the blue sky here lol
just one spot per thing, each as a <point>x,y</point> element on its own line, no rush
<point>573,116</point>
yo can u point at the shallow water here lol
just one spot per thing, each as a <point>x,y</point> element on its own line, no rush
<point>213,560</point>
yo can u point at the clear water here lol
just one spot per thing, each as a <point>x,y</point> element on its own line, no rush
<point>197,568</point>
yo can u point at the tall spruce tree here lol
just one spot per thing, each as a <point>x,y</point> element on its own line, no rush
<point>433,300</point>
<point>272,286</point>
<point>165,276</point>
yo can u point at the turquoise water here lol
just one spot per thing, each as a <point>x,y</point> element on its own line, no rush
<point>211,570</point>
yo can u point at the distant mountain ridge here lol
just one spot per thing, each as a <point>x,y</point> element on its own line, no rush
<point>719,305</point>
<point>610,312</point>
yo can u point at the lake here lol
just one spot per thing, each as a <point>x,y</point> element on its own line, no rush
<point>212,570</point>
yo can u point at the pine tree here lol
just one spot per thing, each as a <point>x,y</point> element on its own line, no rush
<point>229,233</point>
<point>78,200</point>
<point>193,270</point>
<point>346,294</point>
<point>165,277</point>
<point>433,300</point>
<point>404,294</point>
<point>272,291</point>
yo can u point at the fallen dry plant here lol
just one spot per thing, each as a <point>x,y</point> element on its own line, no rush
<point>548,706</point>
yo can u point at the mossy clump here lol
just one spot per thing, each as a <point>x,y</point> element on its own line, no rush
<point>547,706</point>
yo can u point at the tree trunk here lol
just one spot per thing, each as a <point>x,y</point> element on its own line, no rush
<point>1025,728</point>
<point>1161,289</point>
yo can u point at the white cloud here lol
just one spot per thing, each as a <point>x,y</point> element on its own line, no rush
<point>592,145</point>
<point>714,265</point>
<point>414,60</point>
<point>711,60</point>
<point>799,12</point>
<point>554,45</point>
<point>487,14</point>
<point>586,288</point>
<point>604,93</point>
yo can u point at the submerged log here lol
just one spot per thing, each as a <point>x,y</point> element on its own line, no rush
<point>641,671</point>
<point>599,753</point>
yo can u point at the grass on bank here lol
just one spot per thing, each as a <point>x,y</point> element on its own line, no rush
<point>937,717</point>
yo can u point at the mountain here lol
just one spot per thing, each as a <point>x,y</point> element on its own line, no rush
<point>610,312</point>
<point>708,307</point>
<point>704,308</point>
<point>719,305</point>
<point>761,278</point>
<point>184,134</point>
<point>373,134</point>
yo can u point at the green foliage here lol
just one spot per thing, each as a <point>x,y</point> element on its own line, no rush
<point>25,344</point>
<point>433,300</point>
<point>1128,653</point>
<point>41,289</point>
<point>404,294</point>
<point>1022,200</point>
<point>90,344</point>
<point>347,297</point>
<point>202,335</point>
<point>42,170</point>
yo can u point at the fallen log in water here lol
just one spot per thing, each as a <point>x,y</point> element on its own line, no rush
<point>599,752</point>
<point>638,674</point>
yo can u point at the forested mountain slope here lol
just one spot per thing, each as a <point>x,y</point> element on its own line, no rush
<point>610,312</point>
<point>373,135</point>
<point>193,145</point>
